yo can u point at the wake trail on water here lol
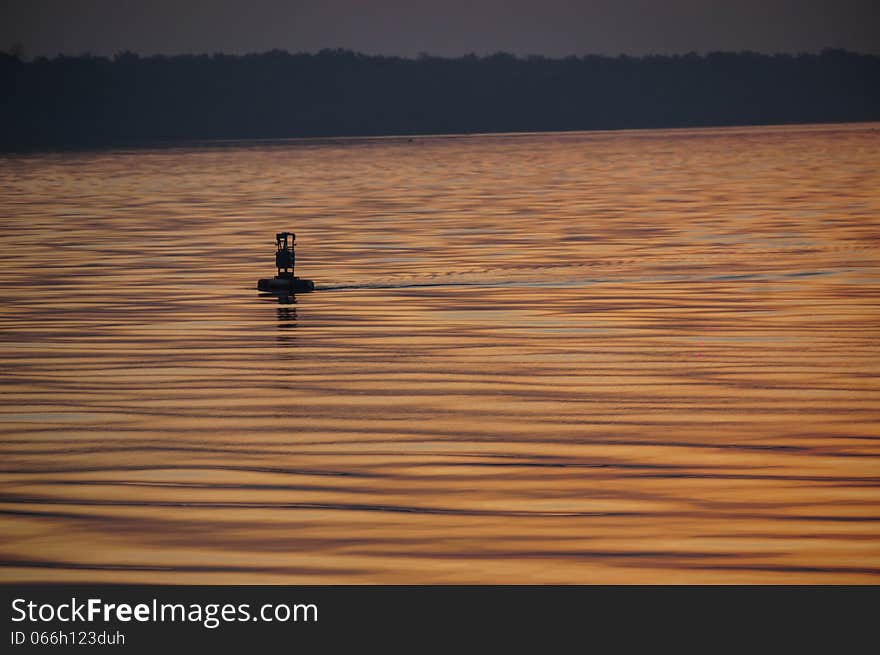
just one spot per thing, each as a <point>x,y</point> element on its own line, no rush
<point>539,275</point>
<point>404,285</point>
<point>566,274</point>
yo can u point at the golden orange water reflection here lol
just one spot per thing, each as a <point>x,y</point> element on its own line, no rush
<point>595,358</point>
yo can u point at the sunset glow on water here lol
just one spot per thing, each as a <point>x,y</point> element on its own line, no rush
<point>629,357</point>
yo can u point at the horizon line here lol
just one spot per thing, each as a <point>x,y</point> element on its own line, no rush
<point>220,142</point>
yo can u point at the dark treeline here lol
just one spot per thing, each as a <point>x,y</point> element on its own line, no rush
<point>86,100</point>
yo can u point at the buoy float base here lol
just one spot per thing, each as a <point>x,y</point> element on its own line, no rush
<point>285,285</point>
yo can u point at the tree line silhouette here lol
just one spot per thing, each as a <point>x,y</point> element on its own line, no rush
<point>128,99</point>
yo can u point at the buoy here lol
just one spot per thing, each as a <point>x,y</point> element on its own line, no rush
<point>285,261</point>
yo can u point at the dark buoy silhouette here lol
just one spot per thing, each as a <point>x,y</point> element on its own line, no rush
<point>285,260</point>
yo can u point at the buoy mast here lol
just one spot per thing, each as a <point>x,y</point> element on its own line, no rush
<point>285,255</point>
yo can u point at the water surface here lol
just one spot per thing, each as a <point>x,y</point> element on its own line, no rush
<point>594,357</point>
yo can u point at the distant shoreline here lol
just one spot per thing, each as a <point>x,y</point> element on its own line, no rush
<point>312,141</point>
<point>130,101</point>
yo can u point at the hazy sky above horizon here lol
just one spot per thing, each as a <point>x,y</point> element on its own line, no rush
<point>450,27</point>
